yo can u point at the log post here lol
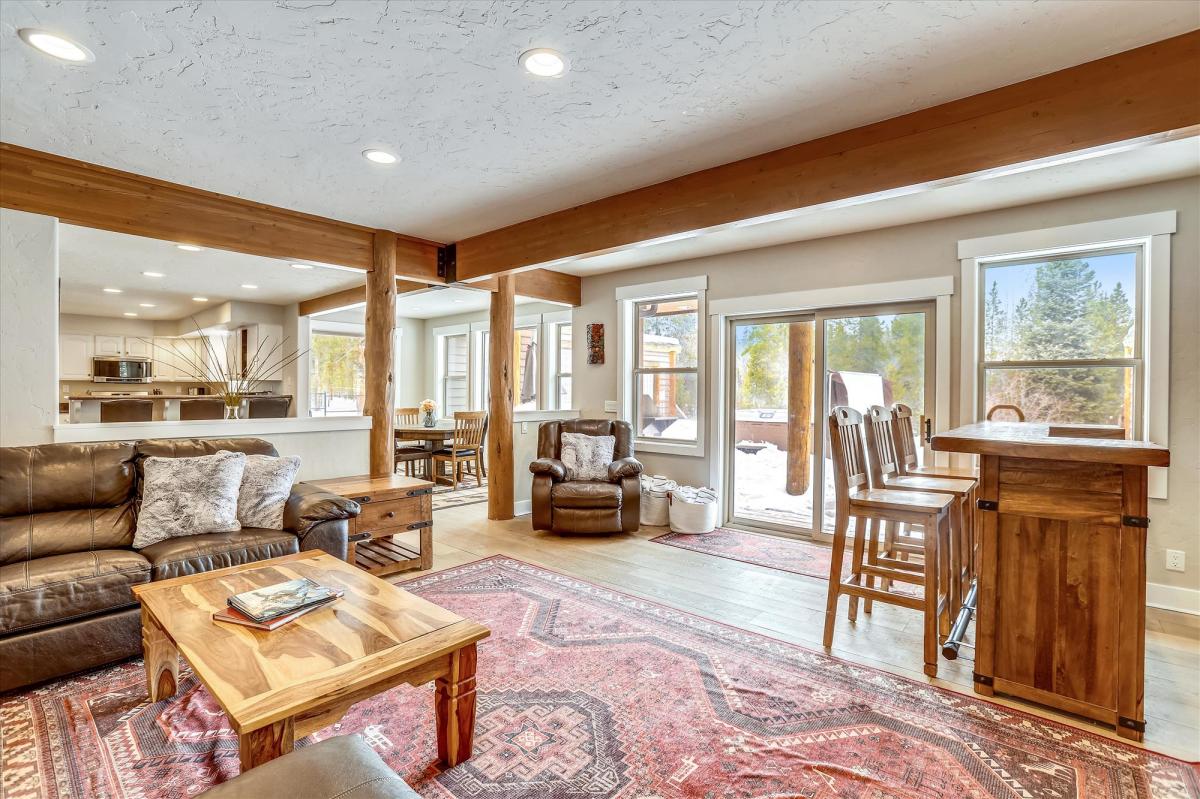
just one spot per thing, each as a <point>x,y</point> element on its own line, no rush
<point>380,325</point>
<point>501,364</point>
<point>800,419</point>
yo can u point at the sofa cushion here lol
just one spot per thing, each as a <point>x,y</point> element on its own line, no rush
<point>177,557</point>
<point>585,494</point>
<point>55,589</point>
<point>189,496</point>
<point>587,457</point>
<point>266,486</point>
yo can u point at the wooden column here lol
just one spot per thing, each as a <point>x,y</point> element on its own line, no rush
<point>500,406</point>
<point>800,418</point>
<point>381,321</point>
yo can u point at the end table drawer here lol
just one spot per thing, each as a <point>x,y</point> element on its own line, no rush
<point>394,514</point>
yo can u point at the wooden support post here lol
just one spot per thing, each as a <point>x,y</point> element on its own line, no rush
<point>800,417</point>
<point>381,322</point>
<point>500,405</point>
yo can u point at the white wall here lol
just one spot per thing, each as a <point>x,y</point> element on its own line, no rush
<point>28,342</point>
<point>929,249</point>
<point>295,376</point>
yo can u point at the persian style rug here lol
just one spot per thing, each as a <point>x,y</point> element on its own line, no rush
<point>467,494</point>
<point>774,552</point>
<point>585,692</point>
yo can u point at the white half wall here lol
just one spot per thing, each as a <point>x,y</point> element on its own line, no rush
<point>28,327</point>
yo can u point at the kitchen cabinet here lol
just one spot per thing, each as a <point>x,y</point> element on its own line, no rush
<point>138,347</point>
<point>75,351</point>
<point>110,345</point>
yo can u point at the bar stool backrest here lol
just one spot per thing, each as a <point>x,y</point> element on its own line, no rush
<point>468,429</point>
<point>849,459</point>
<point>904,437</point>
<point>881,445</point>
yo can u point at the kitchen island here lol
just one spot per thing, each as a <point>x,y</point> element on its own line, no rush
<point>1061,568</point>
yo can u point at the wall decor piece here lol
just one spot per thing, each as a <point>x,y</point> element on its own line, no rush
<point>595,343</point>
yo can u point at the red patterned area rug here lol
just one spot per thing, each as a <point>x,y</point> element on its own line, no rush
<point>588,692</point>
<point>774,552</point>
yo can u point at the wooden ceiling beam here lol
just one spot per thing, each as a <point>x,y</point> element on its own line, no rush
<point>1140,93</point>
<point>542,284</point>
<point>89,195</point>
<point>348,298</point>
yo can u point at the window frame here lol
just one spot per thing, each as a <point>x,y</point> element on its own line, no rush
<point>558,372</point>
<point>1136,362</point>
<point>444,376</point>
<point>1153,233</point>
<point>629,298</point>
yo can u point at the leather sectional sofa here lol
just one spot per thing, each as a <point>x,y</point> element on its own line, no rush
<point>67,518</point>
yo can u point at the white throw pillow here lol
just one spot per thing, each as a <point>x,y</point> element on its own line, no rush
<point>587,457</point>
<point>266,486</point>
<point>189,496</point>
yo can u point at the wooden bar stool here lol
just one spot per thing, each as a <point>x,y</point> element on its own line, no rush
<point>908,464</point>
<point>871,507</point>
<point>883,463</point>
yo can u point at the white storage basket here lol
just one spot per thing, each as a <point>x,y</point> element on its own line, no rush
<point>656,500</point>
<point>693,510</point>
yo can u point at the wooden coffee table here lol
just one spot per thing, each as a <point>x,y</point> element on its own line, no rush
<point>285,684</point>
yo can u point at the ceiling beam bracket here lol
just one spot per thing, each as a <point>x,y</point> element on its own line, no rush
<point>447,263</point>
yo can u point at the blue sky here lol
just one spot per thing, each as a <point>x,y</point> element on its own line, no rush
<point>1015,282</point>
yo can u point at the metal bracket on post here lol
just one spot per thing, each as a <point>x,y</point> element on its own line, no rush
<point>982,679</point>
<point>1135,521</point>
<point>1131,724</point>
<point>987,504</point>
<point>447,263</point>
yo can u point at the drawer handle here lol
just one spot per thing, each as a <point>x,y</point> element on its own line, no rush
<point>362,499</point>
<point>390,514</point>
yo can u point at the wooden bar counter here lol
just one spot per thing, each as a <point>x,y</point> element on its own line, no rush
<point>1062,568</point>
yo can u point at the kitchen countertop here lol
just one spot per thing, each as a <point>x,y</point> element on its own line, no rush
<point>169,396</point>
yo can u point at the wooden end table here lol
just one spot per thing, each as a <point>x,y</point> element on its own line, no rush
<point>271,692</point>
<point>390,504</point>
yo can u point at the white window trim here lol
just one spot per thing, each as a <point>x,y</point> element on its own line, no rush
<point>1153,232</point>
<point>627,297</point>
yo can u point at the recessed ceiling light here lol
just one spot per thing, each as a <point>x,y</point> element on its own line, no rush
<point>153,274</point>
<point>199,299</point>
<point>380,156</point>
<point>57,46</point>
<point>146,304</point>
<point>543,62</point>
<point>249,286</point>
<point>301,266</point>
<point>112,291</point>
<point>458,301</point>
<point>189,247</point>
<point>130,313</point>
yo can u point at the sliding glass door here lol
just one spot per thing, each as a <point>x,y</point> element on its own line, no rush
<point>786,373</point>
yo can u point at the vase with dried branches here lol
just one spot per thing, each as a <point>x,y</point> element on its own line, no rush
<point>221,375</point>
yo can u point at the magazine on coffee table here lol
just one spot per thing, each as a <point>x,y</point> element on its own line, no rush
<point>233,616</point>
<point>264,604</point>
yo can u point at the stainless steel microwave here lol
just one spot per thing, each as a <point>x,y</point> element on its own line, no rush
<point>122,370</point>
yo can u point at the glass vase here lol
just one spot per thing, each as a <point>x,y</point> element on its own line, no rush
<point>429,421</point>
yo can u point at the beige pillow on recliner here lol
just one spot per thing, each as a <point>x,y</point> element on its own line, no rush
<point>587,457</point>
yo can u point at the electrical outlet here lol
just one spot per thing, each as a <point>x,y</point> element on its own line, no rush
<point>610,406</point>
<point>1175,560</point>
<point>524,427</point>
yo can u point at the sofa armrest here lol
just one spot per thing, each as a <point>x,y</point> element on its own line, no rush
<point>622,468</point>
<point>553,468</point>
<point>310,505</point>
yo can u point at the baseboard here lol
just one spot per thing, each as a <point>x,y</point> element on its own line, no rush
<point>523,508</point>
<point>1169,597</point>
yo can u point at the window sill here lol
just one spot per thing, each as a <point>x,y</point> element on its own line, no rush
<point>689,449</point>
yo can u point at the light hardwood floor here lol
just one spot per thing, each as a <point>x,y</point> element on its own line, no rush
<point>791,607</point>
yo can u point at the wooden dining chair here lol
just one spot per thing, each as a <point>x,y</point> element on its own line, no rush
<point>869,507</point>
<point>467,445</point>
<point>883,463</point>
<point>415,456</point>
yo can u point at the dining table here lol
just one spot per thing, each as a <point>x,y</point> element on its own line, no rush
<point>433,437</point>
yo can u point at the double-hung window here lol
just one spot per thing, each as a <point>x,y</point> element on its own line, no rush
<point>1062,336</point>
<point>454,369</point>
<point>562,366</point>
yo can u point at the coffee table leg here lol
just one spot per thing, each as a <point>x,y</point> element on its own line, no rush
<point>266,743</point>
<point>454,705</point>
<point>162,659</point>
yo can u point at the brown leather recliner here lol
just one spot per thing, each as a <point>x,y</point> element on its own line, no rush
<point>586,506</point>
<point>67,563</point>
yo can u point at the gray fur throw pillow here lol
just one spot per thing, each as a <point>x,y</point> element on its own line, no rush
<point>189,496</point>
<point>266,486</point>
<point>587,457</point>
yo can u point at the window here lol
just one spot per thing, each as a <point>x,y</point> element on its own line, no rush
<point>1061,336</point>
<point>337,374</point>
<point>666,368</point>
<point>562,364</point>
<point>525,350</point>
<point>454,360</point>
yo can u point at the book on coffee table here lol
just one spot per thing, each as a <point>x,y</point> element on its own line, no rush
<point>268,603</point>
<point>232,616</point>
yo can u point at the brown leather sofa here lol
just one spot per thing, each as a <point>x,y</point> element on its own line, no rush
<point>67,518</point>
<point>586,506</point>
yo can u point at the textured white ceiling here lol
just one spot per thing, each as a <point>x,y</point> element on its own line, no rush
<point>275,101</point>
<point>91,260</point>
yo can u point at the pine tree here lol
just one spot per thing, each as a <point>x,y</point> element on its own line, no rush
<point>995,327</point>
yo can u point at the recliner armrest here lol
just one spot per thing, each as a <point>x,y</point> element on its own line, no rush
<point>622,468</point>
<point>553,468</point>
<point>310,505</point>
